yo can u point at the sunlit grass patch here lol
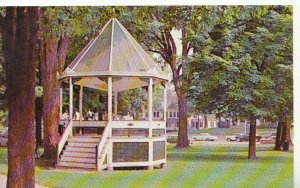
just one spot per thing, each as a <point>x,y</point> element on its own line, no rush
<point>198,166</point>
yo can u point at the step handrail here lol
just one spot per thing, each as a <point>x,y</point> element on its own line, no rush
<point>102,142</point>
<point>64,138</point>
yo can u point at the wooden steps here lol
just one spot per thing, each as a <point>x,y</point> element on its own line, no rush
<point>76,165</point>
<point>77,159</point>
<point>80,152</point>
<point>82,144</point>
<point>78,149</point>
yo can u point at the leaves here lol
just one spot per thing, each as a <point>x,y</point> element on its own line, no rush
<point>132,102</point>
<point>236,65</point>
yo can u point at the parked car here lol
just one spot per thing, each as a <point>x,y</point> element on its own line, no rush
<point>269,135</point>
<point>232,137</point>
<point>268,139</point>
<point>245,137</point>
<point>205,137</point>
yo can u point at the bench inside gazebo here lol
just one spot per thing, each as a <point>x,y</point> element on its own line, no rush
<point>113,62</point>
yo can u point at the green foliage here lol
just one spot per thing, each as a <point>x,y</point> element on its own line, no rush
<point>235,72</point>
<point>95,100</point>
<point>74,21</point>
<point>132,102</point>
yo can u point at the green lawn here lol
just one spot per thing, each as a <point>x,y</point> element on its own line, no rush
<point>199,166</point>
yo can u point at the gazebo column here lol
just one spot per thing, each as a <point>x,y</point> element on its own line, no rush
<point>60,101</point>
<point>71,101</point>
<point>165,101</point>
<point>116,105</point>
<point>109,99</point>
<point>110,151</point>
<point>150,101</point>
<point>165,118</point>
<point>150,115</point>
<point>80,104</point>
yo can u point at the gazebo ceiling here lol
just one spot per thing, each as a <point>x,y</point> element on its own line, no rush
<point>114,52</point>
<point>119,83</point>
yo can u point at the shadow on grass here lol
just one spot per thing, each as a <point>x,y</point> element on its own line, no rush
<point>216,148</point>
<point>43,164</point>
<point>229,158</point>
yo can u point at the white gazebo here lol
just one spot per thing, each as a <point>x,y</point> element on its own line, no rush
<point>113,62</point>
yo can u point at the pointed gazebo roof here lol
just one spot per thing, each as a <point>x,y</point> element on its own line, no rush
<point>114,52</point>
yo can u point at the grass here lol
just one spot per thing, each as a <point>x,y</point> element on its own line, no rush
<point>199,166</point>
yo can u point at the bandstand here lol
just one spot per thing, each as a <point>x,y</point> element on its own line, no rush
<point>113,62</point>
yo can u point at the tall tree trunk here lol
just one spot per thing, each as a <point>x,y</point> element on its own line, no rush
<point>52,56</point>
<point>179,83</point>
<point>284,129</point>
<point>288,134</point>
<point>205,121</point>
<point>286,137</point>
<point>278,135</point>
<point>252,138</point>
<point>38,119</point>
<point>182,141</point>
<point>49,68</point>
<point>53,53</point>
<point>19,45</point>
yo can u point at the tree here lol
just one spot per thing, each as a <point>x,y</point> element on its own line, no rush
<point>280,71</point>
<point>153,27</point>
<point>52,52</point>
<point>19,29</point>
<point>231,71</point>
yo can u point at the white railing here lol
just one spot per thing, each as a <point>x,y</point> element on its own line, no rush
<point>138,124</point>
<point>102,149</point>
<point>64,138</point>
<point>89,123</point>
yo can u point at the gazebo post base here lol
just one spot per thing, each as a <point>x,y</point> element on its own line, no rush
<point>110,168</point>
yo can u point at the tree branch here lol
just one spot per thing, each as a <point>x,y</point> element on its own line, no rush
<point>154,51</point>
<point>179,68</point>
<point>162,44</point>
<point>171,41</point>
<point>168,45</point>
<point>189,47</point>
